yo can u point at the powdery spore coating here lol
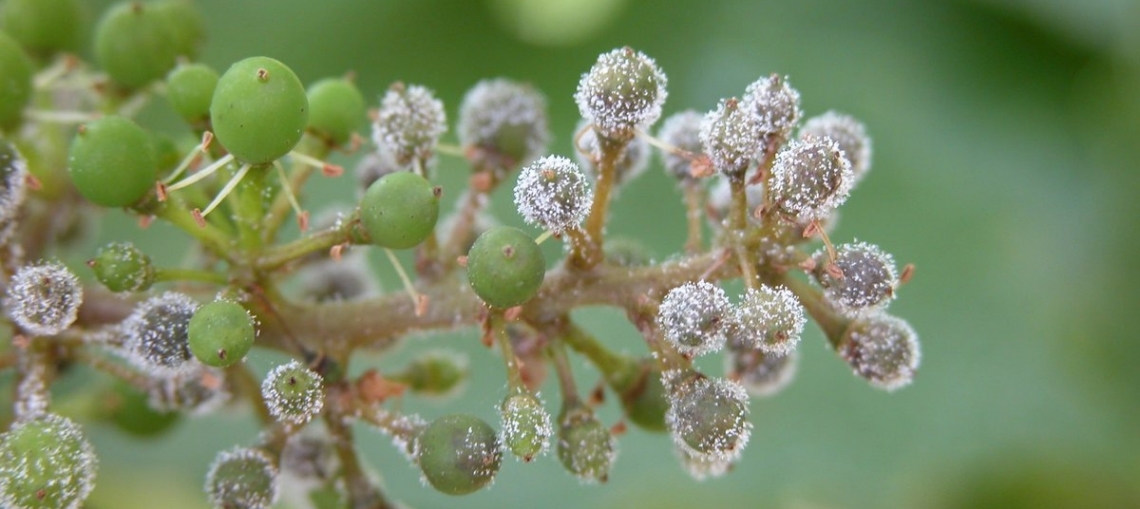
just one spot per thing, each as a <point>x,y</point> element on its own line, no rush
<point>708,417</point>
<point>720,199</point>
<point>156,333</point>
<point>868,283</point>
<point>409,122</point>
<point>681,130</point>
<point>197,390</point>
<point>49,453</point>
<point>293,393</point>
<point>695,318</point>
<point>44,298</point>
<point>526,426</point>
<point>762,375</point>
<point>810,179</point>
<point>847,132</point>
<point>701,467</point>
<point>622,92</point>
<point>731,137</point>
<point>773,105</point>
<point>883,349</point>
<point>13,182</point>
<point>629,165</point>
<point>242,477</point>
<point>769,319</point>
<point>504,116</point>
<point>552,194</point>
<point>586,447</point>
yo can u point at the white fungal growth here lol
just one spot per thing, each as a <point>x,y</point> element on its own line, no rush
<point>632,162</point>
<point>552,194</point>
<point>506,117</point>
<point>695,318</point>
<point>868,281</point>
<point>848,133</point>
<point>883,349</point>
<point>769,319</point>
<point>242,477</point>
<point>46,462</point>
<point>155,334</point>
<point>13,182</point>
<point>701,467</point>
<point>773,105</point>
<point>44,298</point>
<point>196,390</point>
<point>293,393</point>
<point>349,278</point>
<point>409,122</point>
<point>308,458</point>
<point>761,374</point>
<point>622,92</point>
<point>810,179</point>
<point>720,198</point>
<point>731,137</point>
<point>681,131</point>
<point>586,447</point>
<point>708,417</point>
<point>526,426</point>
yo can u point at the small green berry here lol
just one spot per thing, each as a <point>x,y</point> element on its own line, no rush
<point>585,446</point>
<point>112,162</point>
<point>409,123</point>
<point>242,478</point>
<point>526,425</point>
<point>708,417</point>
<point>294,393</point>
<point>623,92</point>
<point>259,110</point>
<point>43,298</point>
<point>43,27</point>
<point>505,267</point>
<point>45,463</point>
<point>16,74</point>
<point>134,45</point>
<point>184,24</point>
<point>190,90</point>
<point>400,210</point>
<point>552,193</point>
<point>221,333</point>
<point>883,349</point>
<point>459,454</point>
<point>156,332</point>
<point>130,411</point>
<point>336,109</point>
<point>695,318</point>
<point>434,373</point>
<point>122,267</point>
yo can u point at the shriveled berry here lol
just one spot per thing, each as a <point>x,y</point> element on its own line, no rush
<point>883,349</point>
<point>585,446</point>
<point>632,162</point>
<point>400,210</point>
<point>459,454</point>
<point>294,393</point>
<point>505,119</point>
<point>221,333</point>
<point>730,137</point>
<point>43,26</point>
<point>769,319</point>
<point>130,411</point>
<point>810,179</point>
<point>122,267</point>
<point>682,131</point>
<point>259,110</point>
<point>336,109</point>
<point>45,463</point>
<point>526,425</point>
<point>695,318</point>
<point>622,92</point>
<point>708,417</point>
<point>847,132</point>
<point>242,478</point>
<point>505,267</point>
<point>112,161</point>
<point>865,282</point>
<point>761,374</point>
<point>409,122</point>
<point>774,105</point>
<point>190,90</point>
<point>155,333</point>
<point>552,194</point>
<point>435,373</point>
<point>43,298</point>
<point>16,74</point>
<point>134,44</point>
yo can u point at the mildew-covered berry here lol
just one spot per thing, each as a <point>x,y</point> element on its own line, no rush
<point>409,122</point>
<point>695,318</point>
<point>774,105</point>
<point>882,349</point>
<point>731,137</point>
<point>708,417</point>
<point>459,454</point>
<point>848,133</point>
<point>45,463</point>
<point>156,333</point>
<point>122,267</point>
<point>682,131</point>
<point>552,194</point>
<point>526,425</point>
<point>810,179</point>
<point>242,478</point>
<point>860,281</point>
<point>769,319</point>
<point>504,118</point>
<point>43,298</point>
<point>761,374</point>
<point>622,92</point>
<point>293,393</point>
<point>585,445</point>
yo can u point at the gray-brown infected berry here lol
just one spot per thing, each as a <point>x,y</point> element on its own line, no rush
<point>882,349</point>
<point>695,318</point>
<point>156,333</point>
<point>810,179</point>
<point>505,118</point>
<point>861,280</point>
<point>761,374</point>
<point>681,131</point>
<point>242,478</point>
<point>773,105</point>
<point>409,123</point>
<point>769,319</point>
<point>731,137</point>
<point>43,298</point>
<point>552,194</point>
<point>848,133</point>
<point>622,92</point>
<point>707,417</point>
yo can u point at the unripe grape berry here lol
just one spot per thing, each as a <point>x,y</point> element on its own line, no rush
<point>156,333</point>
<point>134,44</point>
<point>847,132</point>
<point>336,109</point>
<point>433,373</point>
<point>16,73</point>
<point>190,90</point>
<point>585,446</point>
<point>810,179</point>
<point>695,318</point>
<point>526,425</point>
<point>242,478</point>
<point>504,118</point>
<point>730,137</point>
<point>294,393</point>
<point>45,463</point>
<point>220,333</point>
<point>459,454</point>
<point>761,374</point>
<point>883,349</point>
<point>868,278</point>
<point>774,105</point>
<point>184,24</point>
<point>769,319</point>
<point>409,122</point>
<point>43,26</point>
<point>681,130</point>
<point>708,417</point>
<point>642,395</point>
<point>400,210</point>
<point>505,267</point>
<point>259,110</point>
<point>13,182</point>
<point>130,411</point>
<point>632,162</point>
<point>112,161</point>
<point>43,298</point>
<point>622,92</point>
<point>122,267</point>
<point>552,194</point>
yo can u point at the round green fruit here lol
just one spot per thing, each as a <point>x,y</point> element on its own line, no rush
<point>190,88</point>
<point>459,454</point>
<point>400,210</point>
<point>221,333</point>
<point>133,44</point>
<point>185,25</point>
<point>112,162</point>
<point>45,463</point>
<point>259,110</point>
<point>505,267</point>
<point>122,267</point>
<point>43,26</point>
<point>336,109</point>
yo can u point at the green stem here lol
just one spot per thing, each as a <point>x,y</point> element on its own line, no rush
<point>299,174</point>
<point>279,256</point>
<point>249,209</point>
<point>174,211</point>
<point>362,494</point>
<point>588,255</point>
<point>833,324</point>
<point>251,389</point>
<point>561,364</point>
<point>586,344</point>
<point>738,224</point>
<point>514,372</point>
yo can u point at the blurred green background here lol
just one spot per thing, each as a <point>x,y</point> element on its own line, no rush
<point>1004,168</point>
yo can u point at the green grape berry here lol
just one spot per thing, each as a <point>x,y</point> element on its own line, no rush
<point>122,267</point>
<point>259,110</point>
<point>336,109</point>
<point>459,454</point>
<point>526,425</point>
<point>16,74</point>
<point>400,210</point>
<point>129,410</point>
<point>134,44</point>
<point>293,393</point>
<point>434,373</point>
<point>505,267</point>
<point>185,25</point>
<point>585,446</point>
<point>43,26</point>
<point>111,161</point>
<point>45,463</point>
<point>242,478</point>
<point>190,89</point>
<point>221,333</point>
